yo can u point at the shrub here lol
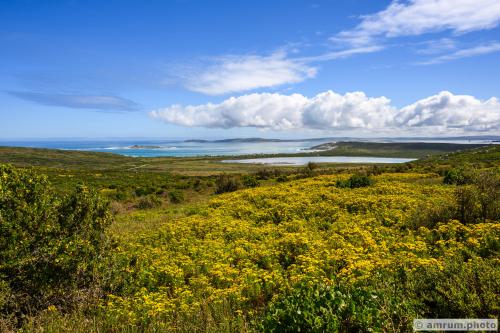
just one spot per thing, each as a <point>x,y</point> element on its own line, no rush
<point>51,248</point>
<point>467,203</point>
<point>355,181</point>
<point>488,185</point>
<point>142,191</point>
<point>176,196</point>
<point>197,185</point>
<point>264,174</point>
<point>281,178</point>
<point>462,289</point>
<point>323,308</point>
<point>312,166</point>
<point>226,183</point>
<point>458,176</point>
<point>250,181</point>
<point>149,201</point>
<point>479,199</point>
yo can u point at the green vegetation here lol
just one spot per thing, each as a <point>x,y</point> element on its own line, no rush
<point>226,183</point>
<point>324,308</point>
<point>319,248</point>
<point>355,181</point>
<point>392,149</point>
<point>51,248</point>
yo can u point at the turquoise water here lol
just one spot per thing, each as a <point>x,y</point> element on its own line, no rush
<point>172,147</point>
<point>190,148</point>
<point>318,159</point>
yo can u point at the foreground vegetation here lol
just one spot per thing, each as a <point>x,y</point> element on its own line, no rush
<point>316,249</point>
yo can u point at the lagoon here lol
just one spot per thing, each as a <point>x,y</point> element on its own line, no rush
<point>303,160</point>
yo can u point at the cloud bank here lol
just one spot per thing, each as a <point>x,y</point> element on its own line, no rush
<point>335,112</point>
<point>95,102</point>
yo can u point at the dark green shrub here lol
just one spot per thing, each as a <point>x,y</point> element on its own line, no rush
<point>182,185</point>
<point>488,185</point>
<point>323,308</point>
<point>264,174</point>
<point>120,195</point>
<point>142,191</point>
<point>197,185</point>
<point>250,181</point>
<point>51,248</point>
<point>355,181</point>
<point>458,176</point>
<point>149,201</point>
<point>312,166</point>
<point>176,196</point>
<point>226,183</point>
<point>462,289</point>
<point>466,197</point>
<point>281,178</point>
<point>401,168</point>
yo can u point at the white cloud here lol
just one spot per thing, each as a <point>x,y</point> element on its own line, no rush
<point>432,47</point>
<point>264,110</point>
<point>465,53</point>
<point>417,17</point>
<point>242,73</point>
<point>332,111</point>
<point>341,54</point>
<point>446,111</point>
<point>231,74</point>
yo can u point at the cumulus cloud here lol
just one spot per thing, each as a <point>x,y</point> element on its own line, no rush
<point>448,111</point>
<point>96,102</point>
<point>417,17</point>
<point>247,72</point>
<point>332,111</point>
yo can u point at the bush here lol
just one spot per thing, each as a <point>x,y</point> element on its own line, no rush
<point>467,203</point>
<point>462,289</point>
<point>142,191</point>
<point>312,166</point>
<point>282,178</point>
<point>51,248</point>
<point>478,201</point>
<point>226,183</point>
<point>323,308</point>
<point>488,185</point>
<point>355,181</point>
<point>150,201</point>
<point>458,176</point>
<point>197,185</point>
<point>176,197</point>
<point>250,181</point>
<point>264,174</point>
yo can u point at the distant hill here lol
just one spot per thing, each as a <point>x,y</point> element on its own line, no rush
<point>492,138</point>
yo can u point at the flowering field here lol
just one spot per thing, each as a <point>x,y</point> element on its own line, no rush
<point>243,251</point>
<point>311,250</point>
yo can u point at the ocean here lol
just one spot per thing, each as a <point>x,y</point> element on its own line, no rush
<point>184,148</point>
<point>178,148</point>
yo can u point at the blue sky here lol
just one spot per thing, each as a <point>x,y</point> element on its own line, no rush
<point>217,69</point>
